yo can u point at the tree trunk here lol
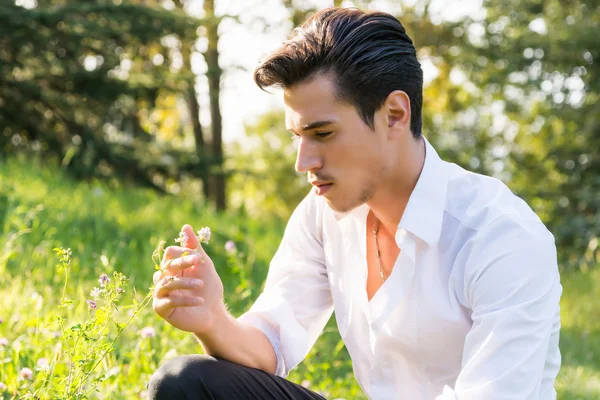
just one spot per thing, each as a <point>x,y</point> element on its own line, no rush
<point>217,176</point>
<point>194,109</point>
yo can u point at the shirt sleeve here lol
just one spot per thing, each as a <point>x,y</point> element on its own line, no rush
<point>513,285</point>
<point>296,302</point>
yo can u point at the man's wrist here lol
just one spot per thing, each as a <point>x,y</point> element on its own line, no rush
<point>220,324</point>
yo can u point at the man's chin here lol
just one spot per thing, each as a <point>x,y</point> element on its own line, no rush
<point>340,208</point>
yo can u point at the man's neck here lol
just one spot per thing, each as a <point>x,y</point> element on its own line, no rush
<point>389,202</point>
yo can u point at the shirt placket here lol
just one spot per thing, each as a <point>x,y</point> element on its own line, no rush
<point>381,308</point>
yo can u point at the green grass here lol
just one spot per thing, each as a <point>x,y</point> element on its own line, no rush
<point>117,228</point>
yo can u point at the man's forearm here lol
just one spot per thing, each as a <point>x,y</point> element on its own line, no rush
<point>239,343</point>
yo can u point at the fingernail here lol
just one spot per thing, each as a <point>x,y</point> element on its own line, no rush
<point>198,300</point>
<point>196,282</point>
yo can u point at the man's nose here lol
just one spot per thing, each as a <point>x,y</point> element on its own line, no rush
<point>308,158</point>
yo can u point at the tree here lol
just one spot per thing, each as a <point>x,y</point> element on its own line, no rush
<point>214,73</point>
<point>73,76</point>
<point>516,97</point>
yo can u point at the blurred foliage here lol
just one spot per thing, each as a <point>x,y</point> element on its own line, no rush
<point>517,97</point>
<point>76,79</point>
<point>263,179</point>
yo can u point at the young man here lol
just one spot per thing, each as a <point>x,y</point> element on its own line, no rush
<point>444,284</point>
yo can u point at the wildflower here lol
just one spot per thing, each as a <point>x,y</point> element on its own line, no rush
<point>26,373</point>
<point>3,342</point>
<point>120,290</point>
<point>305,383</point>
<point>95,293</point>
<point>204,235</point>
<point>147,332</point>
<point>230,247</point>
<point>1,320</point>
<point>42,363</point>
<point>2,386</point>
<point>104,279</point>
<point>182,239</point>
<point>144,394</point>
<point>160,248</point>
<point>91,303</point>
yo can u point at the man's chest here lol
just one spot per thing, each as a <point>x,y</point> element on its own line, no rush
<point>414,314</point>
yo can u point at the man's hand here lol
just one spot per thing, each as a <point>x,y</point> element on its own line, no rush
<point>188,292</point>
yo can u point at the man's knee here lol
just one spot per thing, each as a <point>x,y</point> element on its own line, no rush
<point>181,375</point>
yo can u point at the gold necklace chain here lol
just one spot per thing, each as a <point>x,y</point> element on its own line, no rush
<point>375,230</point>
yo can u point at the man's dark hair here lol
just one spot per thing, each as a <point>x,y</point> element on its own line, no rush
<point>367,54</point>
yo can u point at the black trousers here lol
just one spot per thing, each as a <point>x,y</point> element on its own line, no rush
<point>199,377</point>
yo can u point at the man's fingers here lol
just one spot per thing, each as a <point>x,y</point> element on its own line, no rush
<point>156,277</point>
<point>164,306</point>
<point>170,283</point>
<point>171,252</point>
<point>184,262</point>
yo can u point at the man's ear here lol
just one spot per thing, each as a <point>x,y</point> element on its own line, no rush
<point>397,111</point>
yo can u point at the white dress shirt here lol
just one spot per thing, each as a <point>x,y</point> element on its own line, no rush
<point>470,310</point>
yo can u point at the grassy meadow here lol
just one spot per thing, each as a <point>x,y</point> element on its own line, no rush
<point>117,228</point>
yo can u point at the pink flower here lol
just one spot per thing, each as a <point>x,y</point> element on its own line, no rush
<point>26,373</point>
<point>42,363</point>
<point>147,332</point>
<point>91,303</point>
<point>2,386</point>
<point>104,279</point>
<point>3,342</point>
<point>230,247</point>
<point>182,239</point>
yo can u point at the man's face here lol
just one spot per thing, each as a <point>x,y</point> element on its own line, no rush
<point>340,154</point>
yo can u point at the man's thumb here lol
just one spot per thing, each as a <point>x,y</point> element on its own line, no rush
<point>192,242</point>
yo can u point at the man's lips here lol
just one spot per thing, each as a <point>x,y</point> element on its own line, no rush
<point>322,187</point>
<point>320,183</point>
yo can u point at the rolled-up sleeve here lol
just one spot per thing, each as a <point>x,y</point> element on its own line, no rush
<point>296,302</point>
<point>512,284</point>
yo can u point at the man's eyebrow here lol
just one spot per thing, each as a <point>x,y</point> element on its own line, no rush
<point>315,125</point>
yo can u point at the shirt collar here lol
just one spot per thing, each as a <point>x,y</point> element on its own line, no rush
<point>424,212</point>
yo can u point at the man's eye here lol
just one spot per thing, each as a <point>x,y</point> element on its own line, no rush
<point>323,134</point>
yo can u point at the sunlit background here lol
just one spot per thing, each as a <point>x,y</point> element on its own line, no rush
<point>121,120</point>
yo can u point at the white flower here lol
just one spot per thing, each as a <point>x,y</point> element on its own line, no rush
<point>147,332</point>
<point>3,342</point>
<point>43,363</point>
<point>26,373</point>
<point>182,239</point>
<point>2,386</point>
<point>204,235</point>
<point>230,247</point>
<point>95,293</point>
